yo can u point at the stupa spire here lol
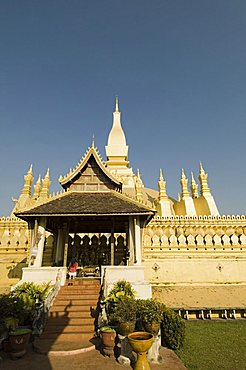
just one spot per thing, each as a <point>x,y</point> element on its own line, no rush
<point>37,188</point>
<point>193,187</point>
<point>203,178</point>
<point>28,180</point>
<point>162,187</point>
<point>184,185</point>
<point>44,193</point>
<point>139,186</point>
<point>117,150</point>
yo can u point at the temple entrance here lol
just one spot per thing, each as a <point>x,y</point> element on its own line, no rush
<point>94,250</point>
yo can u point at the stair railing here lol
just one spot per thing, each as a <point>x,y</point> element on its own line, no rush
<point>42,307</point>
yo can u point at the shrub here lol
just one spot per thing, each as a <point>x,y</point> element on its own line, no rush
<point>172,329</point>
<point>126,310</point>
<point>122,288</point>
<point>25,296</point>
<point>150,310</point>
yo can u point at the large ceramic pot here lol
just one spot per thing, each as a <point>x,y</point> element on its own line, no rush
<point>108,340</point>
<point>19,340</point>
<point>152,327</point>
<point>141,342</point>
<point>127,327</point>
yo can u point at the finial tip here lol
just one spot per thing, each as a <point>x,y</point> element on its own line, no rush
<point>116,103</point>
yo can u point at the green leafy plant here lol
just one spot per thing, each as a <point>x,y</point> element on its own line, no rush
<point>125,311</point>
<point>9,309</point>
<point>107,329</point>
<point>120,290</point>
<point>150,310</point>
<point>173,329</point>
<point>25,296</point>
<point>123,287</point>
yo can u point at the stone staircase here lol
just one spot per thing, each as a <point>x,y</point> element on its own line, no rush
<point>72,317</point>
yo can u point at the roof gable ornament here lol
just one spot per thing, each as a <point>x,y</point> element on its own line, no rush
<point>92,159</point>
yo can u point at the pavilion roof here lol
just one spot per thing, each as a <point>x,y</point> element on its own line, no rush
<point>88,204</point>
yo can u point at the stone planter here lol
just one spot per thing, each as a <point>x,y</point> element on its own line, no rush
<point>19,340</point>
<point>152,327</point>
<point>127,327</point>
<point>108,341</point>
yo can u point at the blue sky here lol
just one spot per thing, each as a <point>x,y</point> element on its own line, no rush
<point>179,68</point>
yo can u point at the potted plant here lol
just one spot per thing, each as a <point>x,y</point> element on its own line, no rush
<point>16,339</point>
<point>108,336</point>
<point>125,314</point>
<point>17,312</point>
<point>121,289</point>
<point>150,313</point>
<point>19,339</point>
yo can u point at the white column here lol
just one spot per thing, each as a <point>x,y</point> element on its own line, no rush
<point>40,243</point>
<point>131,242</point>
<point>59,246</point>
<point>138,244</point>
<point>65,247</point>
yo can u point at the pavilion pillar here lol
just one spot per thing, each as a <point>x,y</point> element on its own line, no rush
<point>131,241</point>
<point>112,244</point>
<point>65,230</point>
<point>33,229</point>
<point>138,246</point>
<point>59,246</point>
<point>39,243</point>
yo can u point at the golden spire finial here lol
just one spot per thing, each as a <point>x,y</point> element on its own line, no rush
<point>44,193</point>
<point>30,170</point>
<point>201,168</point>
<point>203,178</point>
<point>47,173</point>
<point>93,141</point>
<point>28,182</point>
<point>184,185</point>
<point>139,186</point>
<point>192,178</point>
<point>193,187</point>
<point>37,188</point>
<point>116,104</point>
<point>162,187</point>
<point>183,174</point>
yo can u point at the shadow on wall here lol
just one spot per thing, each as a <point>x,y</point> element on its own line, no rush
<point>15,269</point>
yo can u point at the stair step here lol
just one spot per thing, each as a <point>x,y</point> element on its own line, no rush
<point>80,282</point>
<point>43,346</point>
<point>60,329</point>
<point>79,289</point>
<point>72,314</point>
<point>56,321</point>
<point>75,297</point>
<point>73,303</point>
<point>68,336</point>
<point>77,308</point>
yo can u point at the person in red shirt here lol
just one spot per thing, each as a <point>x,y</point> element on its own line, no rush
<point>73,269</point>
